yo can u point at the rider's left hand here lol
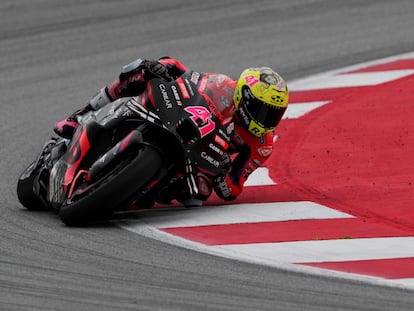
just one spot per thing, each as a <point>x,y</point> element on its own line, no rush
<point>157,69</point>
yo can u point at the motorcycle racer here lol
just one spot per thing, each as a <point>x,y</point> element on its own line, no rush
<point>255,103</point>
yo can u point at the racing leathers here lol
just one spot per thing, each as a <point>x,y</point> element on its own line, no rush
<point>247,151</point>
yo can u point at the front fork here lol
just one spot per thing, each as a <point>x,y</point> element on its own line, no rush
<point>51,152</point>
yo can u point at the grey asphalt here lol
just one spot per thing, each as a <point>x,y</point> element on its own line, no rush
<point>54,55</point>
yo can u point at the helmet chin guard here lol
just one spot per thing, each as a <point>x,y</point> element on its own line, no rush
<point>261,98</point>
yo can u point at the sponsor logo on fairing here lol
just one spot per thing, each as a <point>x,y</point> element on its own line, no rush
<point>209,159</point>
<point>189,87</point>
<point>195,76</point>
<point>230,128</point>
<point>167,100</point>
<point>221,142</point>
<point>183,89</point>
<point>216,149</point>
<point>225,135</point>
<point>176,95</point>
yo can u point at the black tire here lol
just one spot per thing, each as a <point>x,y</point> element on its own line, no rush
<point>113,189</point>
<point>25,192</point>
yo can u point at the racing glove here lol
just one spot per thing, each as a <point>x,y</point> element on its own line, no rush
<point>153,68</point>
<point>226,188</point>
<point>134,77</point>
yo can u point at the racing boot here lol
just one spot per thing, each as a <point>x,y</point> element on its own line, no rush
<point>67,127</point>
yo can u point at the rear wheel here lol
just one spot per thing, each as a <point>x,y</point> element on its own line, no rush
<point>113,189</point>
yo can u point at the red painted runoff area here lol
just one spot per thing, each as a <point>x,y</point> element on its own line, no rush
<point>354,154</point>
<point>395,268</point>
<point>285,231</point>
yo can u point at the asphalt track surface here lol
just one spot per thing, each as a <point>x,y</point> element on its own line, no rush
<point>56,54</point>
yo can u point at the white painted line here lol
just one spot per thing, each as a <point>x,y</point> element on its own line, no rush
<point>297,110</point>
<point>139,227</point>
<point>327,250</point>
<point>260,177</point>
<point>330,73</point>
<point>240,213</point>
<point>405,282</point>
<point>348,80</point>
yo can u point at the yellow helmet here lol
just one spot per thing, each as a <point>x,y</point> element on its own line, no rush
<point>261,98</point>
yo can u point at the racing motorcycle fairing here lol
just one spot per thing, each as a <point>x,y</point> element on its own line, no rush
<point>65,170</point>
<point>170,133</point>
<point>92,138</point>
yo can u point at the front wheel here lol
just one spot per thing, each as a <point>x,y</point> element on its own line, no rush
<point>25,189</point>
<point>112,190</point>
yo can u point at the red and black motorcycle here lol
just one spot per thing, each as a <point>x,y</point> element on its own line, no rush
<point>168,143</point>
